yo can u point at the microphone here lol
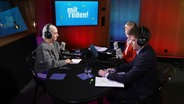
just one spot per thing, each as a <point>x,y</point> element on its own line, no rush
<point>119,53</point>
<point>63,44</point>
<point>115,45</point>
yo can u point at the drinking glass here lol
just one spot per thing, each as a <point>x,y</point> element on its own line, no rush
<point>88,70</point>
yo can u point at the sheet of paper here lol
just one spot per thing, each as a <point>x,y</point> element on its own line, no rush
<point>101,49</point>
<point>104,82</point>
<point>75,61</point>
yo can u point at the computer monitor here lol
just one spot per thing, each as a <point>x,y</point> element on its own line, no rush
<point>93,50</point>
<point>76,12</point>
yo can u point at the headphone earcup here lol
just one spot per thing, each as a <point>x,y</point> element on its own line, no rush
<point>142,41</point>
<point>48,35</point>
<point>143,38</point>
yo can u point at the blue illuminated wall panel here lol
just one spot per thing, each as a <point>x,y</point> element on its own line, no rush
<point>121,12</point>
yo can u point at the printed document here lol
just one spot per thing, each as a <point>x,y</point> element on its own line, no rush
<point>104,82</point>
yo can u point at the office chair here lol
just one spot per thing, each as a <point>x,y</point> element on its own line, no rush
<point>165,73</point>
<point>30,59</point>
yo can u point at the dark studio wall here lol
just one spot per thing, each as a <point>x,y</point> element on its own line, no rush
<point>14,48</point>
<point>14,72</point>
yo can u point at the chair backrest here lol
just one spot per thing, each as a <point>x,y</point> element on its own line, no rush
<point>165,72</point>
<point>30,59</point>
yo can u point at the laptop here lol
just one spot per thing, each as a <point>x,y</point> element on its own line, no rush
<point>94,51</point>
<point>103,56</point>
<point>104,60</point>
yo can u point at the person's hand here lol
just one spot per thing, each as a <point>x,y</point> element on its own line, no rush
<point>129,41</point>
<point>102,73</point>
<point>68,61</point>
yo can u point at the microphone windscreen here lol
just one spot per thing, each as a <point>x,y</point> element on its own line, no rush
<point>119,53</point>
<point>63,44</point>
<point>115,45</point>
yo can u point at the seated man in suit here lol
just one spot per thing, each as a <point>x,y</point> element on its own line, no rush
<point>140,78</point>
<point>48,53</point>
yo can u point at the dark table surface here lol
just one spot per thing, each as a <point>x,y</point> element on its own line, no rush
<point>72,89</point>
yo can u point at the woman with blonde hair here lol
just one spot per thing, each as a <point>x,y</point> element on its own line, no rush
<point>129,53</point>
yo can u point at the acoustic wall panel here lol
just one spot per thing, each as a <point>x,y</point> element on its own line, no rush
<point>165,18</point>
<point>121,12</point>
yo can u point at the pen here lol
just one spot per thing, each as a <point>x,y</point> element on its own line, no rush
<point>91,81</point>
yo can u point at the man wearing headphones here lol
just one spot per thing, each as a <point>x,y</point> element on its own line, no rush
<point>140,78</point>
<point>49,51</point>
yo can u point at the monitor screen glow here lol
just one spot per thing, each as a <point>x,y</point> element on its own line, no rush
<point>76,13</point>
<point>9,19</point>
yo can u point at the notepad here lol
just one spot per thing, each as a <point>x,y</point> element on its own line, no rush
<point>104,82</point>
<point>57,76</point>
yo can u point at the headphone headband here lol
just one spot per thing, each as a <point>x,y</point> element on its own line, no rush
<point>143,36</point>
<point>48,27</point>
<point>48,34</point>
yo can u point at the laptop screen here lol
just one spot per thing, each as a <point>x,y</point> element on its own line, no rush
<point>93,50</point>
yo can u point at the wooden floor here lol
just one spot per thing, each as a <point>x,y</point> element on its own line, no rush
<point>173,93</point>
